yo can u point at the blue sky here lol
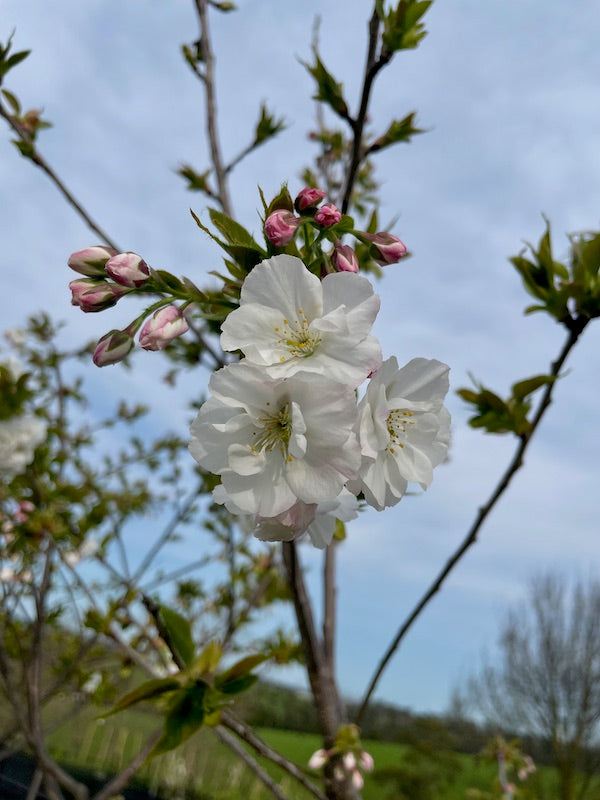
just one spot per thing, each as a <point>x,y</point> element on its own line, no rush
<point>510,97</point>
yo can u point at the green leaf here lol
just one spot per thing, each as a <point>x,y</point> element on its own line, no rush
<point>241,668</point>
<point>237,685</point>
<point>524,388</point>
<point>8,63</point>
<point>590,257</point>
<point>185,717</point>
<point>147,691</point>
<point>196,181</point>
<point>12,100</point>
<point>399,131</point>
<point>208,660</point>
<point>329,91</point>
<point>25,147</point>
<point>402,29</point>
<point>233,232</point>
<point>180,634</point>
<point>282,200</point>
<point>267,126</point>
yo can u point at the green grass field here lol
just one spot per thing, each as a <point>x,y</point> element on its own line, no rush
<point>205,769</point>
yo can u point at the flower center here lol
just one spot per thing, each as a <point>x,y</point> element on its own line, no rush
<point>275,431</point>
<point>296,336</point>
<point>398,424</point>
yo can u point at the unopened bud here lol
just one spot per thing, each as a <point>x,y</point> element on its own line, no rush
<point>319,758</point>
<point>163,326</point>
<point>91,260</point>
<point>328,215</point>
<point>280,227</point>
<point>91,295</point>
<point>385,248</point>
<point>112,348</point>
<point>343,258</point>
<point>307,199</point>
<point>128,269</point>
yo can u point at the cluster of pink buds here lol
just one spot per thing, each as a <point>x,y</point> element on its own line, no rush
<point>351,764</point>
<point>109,275</point>
<point>94,292</point>
<point>282,225</point>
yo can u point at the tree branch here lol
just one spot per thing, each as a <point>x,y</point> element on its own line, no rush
<point>247,734</point>
<point>576,327</point>
<point>41,162</point>
<point>253,765</point>
<point>372,67</point>
<point>211,107</point>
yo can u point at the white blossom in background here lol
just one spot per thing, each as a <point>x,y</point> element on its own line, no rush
<point>19,436</point>
<point>86,550</point>
<point>403,429</point>
<point>316,520</point>
<point>277,441</point>
<point>290,321</point>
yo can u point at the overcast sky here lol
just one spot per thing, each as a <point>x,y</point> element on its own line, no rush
<point>509,93</point>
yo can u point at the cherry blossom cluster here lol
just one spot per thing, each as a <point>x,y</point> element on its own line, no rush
<point>351,764</point>
<point>283,429</point>
<point>110,275</point>
<point>282,225</point>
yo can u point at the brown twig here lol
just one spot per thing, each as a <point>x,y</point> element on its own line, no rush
<point>208,80</point>
<point>253,765</point>
<point>576,327</point>
<point>41,162</point>
<point>247,734</point>
<point>373,65</point>
<point>120,781</point>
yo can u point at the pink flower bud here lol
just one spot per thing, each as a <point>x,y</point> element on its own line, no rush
<point>357,779</point>
<point>344,258</point>
<point>280,227</point>
<point>328,215</point>
<point>112,348</point>
<point>386,249</point>
<point>163,326</point>
<point>318,759</point>
<point>308,199</point>
<point>91,260</point>
<point>92,295</point>
<point>128,269</point>
<point>365,761</point>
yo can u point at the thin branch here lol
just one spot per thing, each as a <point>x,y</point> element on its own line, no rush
<point>253,765</point>
<point>372,67</point>
<point>322,683</point>
<point>329,616</point>
<point>41,162</point>
<point>247,734</point>
<point>208,80</point>
<point>576,326</point>
<point>121,780</point>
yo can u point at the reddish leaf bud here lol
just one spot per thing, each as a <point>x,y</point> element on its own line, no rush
<point>280,227</point>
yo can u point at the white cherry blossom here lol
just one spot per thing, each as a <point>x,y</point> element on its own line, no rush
<point>403,429</point>
<point>290,321</point>
<point>275,441</point>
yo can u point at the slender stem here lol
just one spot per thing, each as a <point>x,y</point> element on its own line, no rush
<point>372,67</point>
<point>253,765</point>
<point>576,326</point>
<point>208,80</point>
<point>120,781</point>
<point>329,608</point>
<point>41,162</point>
<point>247,734</point>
